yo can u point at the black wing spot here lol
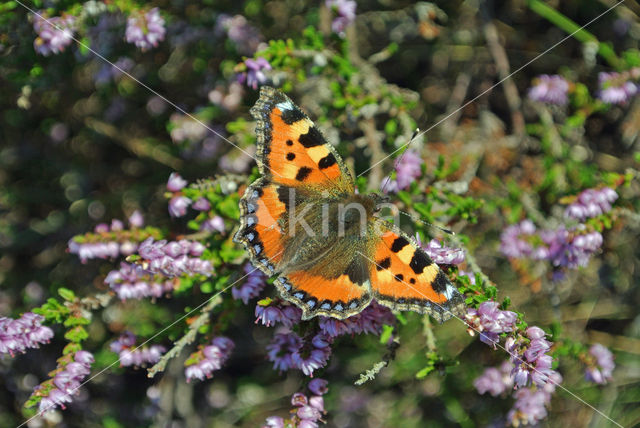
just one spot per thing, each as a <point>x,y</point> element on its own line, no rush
<point>289,143</point>
<point>412,280</point>
<point>283,196</point>
<point>312,138</point>
<point>440,282</point>
<point>303,173</point>
<point>383,264</point>
<point>399,277</point>
<point>291,156</point>
<point>327,161</point>
<point>419,261</point>
<point>291,116</point>
<point>399,244</point>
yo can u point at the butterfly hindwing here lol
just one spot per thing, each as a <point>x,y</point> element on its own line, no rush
<point>340,296</point>
<point>291,149</point>
<point>403,277</point>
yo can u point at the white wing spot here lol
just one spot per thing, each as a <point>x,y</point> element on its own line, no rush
<point>285,105</point>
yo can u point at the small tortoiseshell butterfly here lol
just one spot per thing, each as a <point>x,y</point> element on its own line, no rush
<point>295,226</point>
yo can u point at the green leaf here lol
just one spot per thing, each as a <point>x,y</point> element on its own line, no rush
<point>76,334</point>
<point>424,372</point>
<point>66,294</point>
<point>387,331</point>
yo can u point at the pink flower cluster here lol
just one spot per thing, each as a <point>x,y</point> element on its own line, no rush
<point>16,336</point>
<point>562,247</point>
<point>591,203</point>
<point>65,383</point>
<point>288,350</point>
<point>54,34</point>
<point>133,282</point>
<point>252,286</point>
<point>178,203</point>
<point>408,169</point>
<point>489,321</point>
<point>441,254</point>
<point>531,363</point>
<point>145,30</point>
<point>129,355</point>
<point>601,367</point>
<point>370,320</point>
<point>203,363</point>
<point>307,411</point>
<point>172,258</point>
<point>107,241</point>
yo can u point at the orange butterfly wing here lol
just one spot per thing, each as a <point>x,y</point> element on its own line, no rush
<point>291,150</point>
<point>403,277</point>
<point>259,232</point>
<point>292,153</point>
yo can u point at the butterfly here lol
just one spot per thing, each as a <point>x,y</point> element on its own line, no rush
<point>327,259</point>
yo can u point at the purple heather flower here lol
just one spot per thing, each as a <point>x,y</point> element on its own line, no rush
<point>103,249</point>
<point>318,386</point>
<point>495,381</point>
<point>201,205</point>
<point>215,224</point>
<point>54,34</point>
<point>209,359</point>
<point>551,89</point>
<point>133,282</point>
<point>16,336</point>
<point>306,412</point>
<point>531,364</point>
<point>591,203</point>
<point>309,360</point>
<point>129,355</point>
<point>178,206</point>
<point>490,321</point>
<point>66,381</point>
<point>185,128</point>
<point>252,287</point>
<point>408,169</point>
<point>529,407</point>
<point>370,320</point>
<point>601,371</point>
<point>244,35</point>
<point>514,241</point>
<point>176,182</point>
<point>440,254</point>
<point>281,349</point>
<point>136,220</point>
<point>145,30</point>
<point>274,422</point>
<point>616,88</point>
<point>571,249</point>
<point>345,14</point>
<point>254,74</point>
<point>172,258</point>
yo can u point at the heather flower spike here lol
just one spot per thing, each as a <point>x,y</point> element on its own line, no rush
<point>54,34</point>
<point>550,89</point>
<point>145,29</point>
<point>16,336</point>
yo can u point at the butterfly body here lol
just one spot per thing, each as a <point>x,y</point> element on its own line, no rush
<point>303,222</point>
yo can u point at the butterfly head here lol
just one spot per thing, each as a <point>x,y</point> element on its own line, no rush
<point>379,201</point>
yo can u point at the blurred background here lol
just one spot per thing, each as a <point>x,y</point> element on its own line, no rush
<point>81,143</point>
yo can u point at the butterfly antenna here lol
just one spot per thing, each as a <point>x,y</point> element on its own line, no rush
<point>426,223</point>
<point>388,178</point>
